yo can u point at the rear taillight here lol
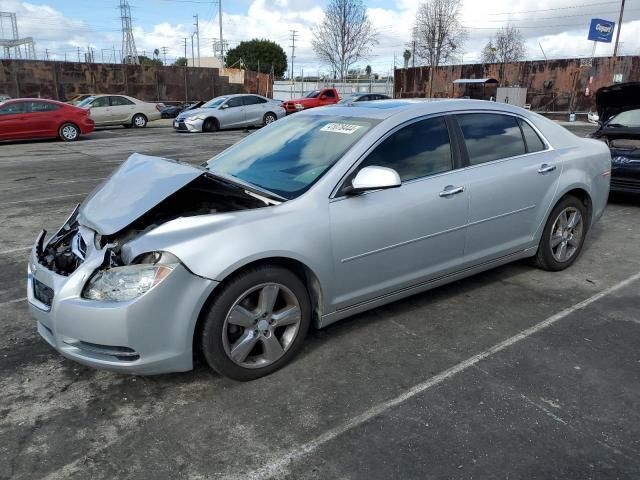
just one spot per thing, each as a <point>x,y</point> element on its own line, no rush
<point>158,107</point>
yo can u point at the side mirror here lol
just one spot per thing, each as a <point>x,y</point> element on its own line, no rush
<point>222,107</point>
<point>373,178</point>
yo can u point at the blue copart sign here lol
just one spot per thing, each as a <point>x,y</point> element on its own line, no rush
<point>601,30</point>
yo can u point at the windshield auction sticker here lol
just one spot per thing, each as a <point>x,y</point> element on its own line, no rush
<point>340,128</point>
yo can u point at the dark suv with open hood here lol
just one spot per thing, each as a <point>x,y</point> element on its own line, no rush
<point>619,111</point>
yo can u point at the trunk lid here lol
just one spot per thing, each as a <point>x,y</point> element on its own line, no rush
<point>616,99</point>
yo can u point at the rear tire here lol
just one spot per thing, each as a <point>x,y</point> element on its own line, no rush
<point>139,121</point>
<point>257,323</point>
<point>563,236</point>
<point>210,125</point>
<point>69,132</point>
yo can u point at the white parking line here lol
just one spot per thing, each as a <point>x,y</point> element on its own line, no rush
<point>14,250</point>
<point>29,200</point>
<point>278,466</point>
<point>15,300</point>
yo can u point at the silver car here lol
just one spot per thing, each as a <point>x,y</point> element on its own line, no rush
<point>325,214</point>
<point>120,110</point>
<point>230,111</point>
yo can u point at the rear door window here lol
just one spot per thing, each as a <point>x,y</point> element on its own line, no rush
<point>490,136</point>
<point>329,94</point>
<point>100,102</point>
<point>36,107</point>
<point>120,101</point>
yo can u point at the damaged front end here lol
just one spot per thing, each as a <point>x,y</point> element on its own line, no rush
<point>99,223</point>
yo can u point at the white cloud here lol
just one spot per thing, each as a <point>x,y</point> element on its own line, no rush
<point>558,25</point>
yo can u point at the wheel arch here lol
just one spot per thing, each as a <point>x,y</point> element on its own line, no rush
<point>582,194</point>
<point>300,269</point>
<point>215,120</point>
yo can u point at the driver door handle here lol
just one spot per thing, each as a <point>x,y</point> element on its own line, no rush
<point>451,190</point>
<point>546,168</point>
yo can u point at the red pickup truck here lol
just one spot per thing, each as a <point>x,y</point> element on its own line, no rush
<point>316,98</point>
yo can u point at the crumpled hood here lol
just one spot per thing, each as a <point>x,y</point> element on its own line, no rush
<point>616,99</point>
<point>195,111</point>
<point>141,183</point>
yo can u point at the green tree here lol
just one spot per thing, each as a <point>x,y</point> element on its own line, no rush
<point>180,62</point>
<point>367,70</point>
<point>143,60</point>
<point>262,53</point>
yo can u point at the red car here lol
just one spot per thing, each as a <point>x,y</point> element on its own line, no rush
<point>316,98</point>
<point>25,118</point>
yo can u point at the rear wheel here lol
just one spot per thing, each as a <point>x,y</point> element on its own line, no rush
<point>257,323</point>
<point>210,125</point>
<point>69,132</point>
<point>269,118</point>
<point>139,121</point>
<point>563,236</point>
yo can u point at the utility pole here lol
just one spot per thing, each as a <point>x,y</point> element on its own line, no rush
<point>293,51</point>
<point>197,36</point>
<point>79,60</point>
<point>164,53</point>
<point>615,49</point>
<point>221,39</point>
<point>185,47</point>
<point>413,54</point>
<point>193,58</point>
<point>46,54</point>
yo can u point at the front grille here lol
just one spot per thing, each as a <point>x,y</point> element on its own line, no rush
<point>182,127</point>
<point>42,293</point>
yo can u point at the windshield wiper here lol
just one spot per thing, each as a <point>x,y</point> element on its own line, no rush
<point>249,186</point>
<point>616,125</point>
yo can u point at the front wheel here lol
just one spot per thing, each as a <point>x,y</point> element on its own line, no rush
<point>69,132</point>
<point>269,118</point>
<point>139,121</point>
<point>257,323</point>
<point>210,125</point>
<point>563,236</point>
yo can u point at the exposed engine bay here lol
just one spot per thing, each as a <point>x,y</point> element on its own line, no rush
<point>205,195</point>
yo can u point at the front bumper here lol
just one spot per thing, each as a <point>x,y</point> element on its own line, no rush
<point>148,335</point>
<point>187,125</point>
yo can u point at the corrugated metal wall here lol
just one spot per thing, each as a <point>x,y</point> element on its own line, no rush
<point>62,80</point>
<point>554,85</point>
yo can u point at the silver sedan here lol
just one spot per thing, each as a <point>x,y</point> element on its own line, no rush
<point>230,111</point>
<point>325,214</point>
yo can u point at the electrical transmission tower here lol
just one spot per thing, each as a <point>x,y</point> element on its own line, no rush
<point>129,52</point>
<point>14,46</point>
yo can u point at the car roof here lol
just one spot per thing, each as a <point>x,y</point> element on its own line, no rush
<point>383,109</point>
<point>45,100</point>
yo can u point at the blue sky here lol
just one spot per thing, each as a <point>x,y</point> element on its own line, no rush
<point>61,26</point>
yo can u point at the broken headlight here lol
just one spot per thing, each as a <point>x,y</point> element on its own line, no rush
<point>121,284</point>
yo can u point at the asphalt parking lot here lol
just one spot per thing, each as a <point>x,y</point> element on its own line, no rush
<point>514,373</point>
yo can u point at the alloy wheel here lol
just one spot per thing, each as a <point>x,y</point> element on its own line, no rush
<point>566,234</point>
<point>269,118</point>
<point>261,325</point>
<point>139,121</point>
<point>69,132</point>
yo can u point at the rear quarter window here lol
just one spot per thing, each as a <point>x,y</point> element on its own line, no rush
<point>533,142</point>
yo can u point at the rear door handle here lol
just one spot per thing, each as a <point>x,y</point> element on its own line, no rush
<point>546,168</point>
<point>451,190</point>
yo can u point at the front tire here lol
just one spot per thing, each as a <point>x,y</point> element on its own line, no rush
<point>210,125</point>
<point>139,121</point>
<point>268,118</point>
<point>257,323</point>
<point>69,132</point>
<point>563,236</point>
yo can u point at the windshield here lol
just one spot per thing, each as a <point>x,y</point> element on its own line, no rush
<point>85,102</point>
<point>630,118</point>
<point>288,158</point>
<point>214,102</point>
<point>312,94</point>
